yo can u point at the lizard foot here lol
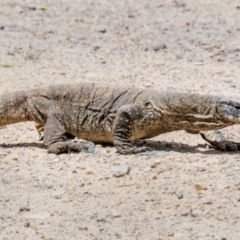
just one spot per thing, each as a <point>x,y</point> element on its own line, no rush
<point>218,141</point>
<point>71,146</point>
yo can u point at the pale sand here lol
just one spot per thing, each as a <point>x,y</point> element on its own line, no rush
<point>75,196</point>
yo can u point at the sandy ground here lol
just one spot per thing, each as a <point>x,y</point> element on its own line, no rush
<point>186,190</point>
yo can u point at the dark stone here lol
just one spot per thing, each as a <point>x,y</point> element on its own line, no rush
<point>160,47</point>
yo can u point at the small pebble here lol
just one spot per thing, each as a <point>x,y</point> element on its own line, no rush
<point>96,48</point>
<point>195,214</point>
<point>159,47</point>
<point>11,53</point>
<point>26,224</point>
<point>57,196</point>
<point>83,228</point>
<point>116,214</point>
<point>104,30</point>
<point>108,150</point>
<point>121,170</point>
<point>101,219</point>
<point>89,171</point>
<point>201,169</point>
<point>155,163</point>
<point>43,8</point>
<point>24,209</point>
<point>179,195</point>
<point>199,187</point>
<point>208,202</point>
<point>154,177</point>
<point>32,8</point>
<point>148,85</point>
<point>2,27</point>
<point>14,157</point>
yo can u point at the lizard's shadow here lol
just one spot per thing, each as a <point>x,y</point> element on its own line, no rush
<point>154,145</point>
<point>175,147</point>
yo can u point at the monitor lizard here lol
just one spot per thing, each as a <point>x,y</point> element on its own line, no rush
<point>117,115</point>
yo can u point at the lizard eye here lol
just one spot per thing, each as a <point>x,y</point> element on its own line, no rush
<point>236,106</point>
<point>232,105</point>
<point>148,105</point>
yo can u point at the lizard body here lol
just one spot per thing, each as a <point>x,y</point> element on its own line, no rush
<point>118,115</point>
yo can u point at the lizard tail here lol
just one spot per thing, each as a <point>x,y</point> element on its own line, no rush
<point>13,108</point>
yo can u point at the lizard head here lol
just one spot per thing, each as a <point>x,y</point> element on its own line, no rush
<point>229,109</point>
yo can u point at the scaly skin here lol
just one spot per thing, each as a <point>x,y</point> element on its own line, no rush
<point>117,115</point>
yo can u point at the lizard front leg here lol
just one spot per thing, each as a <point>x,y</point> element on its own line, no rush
<point>218,141</point>
<point>228,110</point>
<point>48,116</point>
<point>127,116</point>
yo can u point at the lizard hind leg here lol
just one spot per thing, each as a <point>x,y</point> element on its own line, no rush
<point>48,117</point>
<point>123,129</point>
<point>40,129</point>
